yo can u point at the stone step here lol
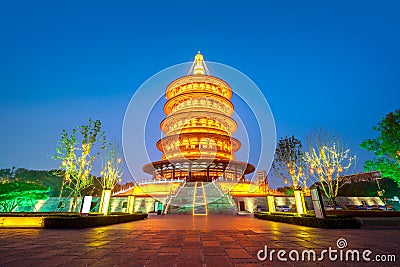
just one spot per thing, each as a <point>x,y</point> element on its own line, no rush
<point>217,203</point>
<point>200,210</point>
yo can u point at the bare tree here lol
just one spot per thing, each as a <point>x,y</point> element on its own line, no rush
<point>328,160</point>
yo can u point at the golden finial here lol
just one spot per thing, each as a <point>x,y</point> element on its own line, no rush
<point>199,66</point>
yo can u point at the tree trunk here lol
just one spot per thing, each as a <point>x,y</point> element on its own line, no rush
<point>334,203</point>
<point>76,191</point>
<point>74,202</point>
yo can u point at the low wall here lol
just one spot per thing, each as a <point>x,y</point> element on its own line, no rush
<point>52,204</point>
<point>146,204</point>
<point>250,203</point>
<point>117,204</point>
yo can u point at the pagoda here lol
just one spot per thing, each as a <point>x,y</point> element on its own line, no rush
<point>198,143</point>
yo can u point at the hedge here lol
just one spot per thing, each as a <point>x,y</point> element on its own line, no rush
<point>55,222</point>
<point>364,213</point>
<point>328,222</point>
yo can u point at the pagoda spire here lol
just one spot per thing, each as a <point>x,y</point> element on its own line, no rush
<point>199,66</point>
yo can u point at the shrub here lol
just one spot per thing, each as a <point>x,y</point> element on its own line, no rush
<point>54,222</point>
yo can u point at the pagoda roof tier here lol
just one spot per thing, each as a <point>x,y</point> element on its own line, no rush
<point>194,101</point>
<point>227,124</point>
<point>198,166</point>
<point>235,143</point>
<point>191,84</point>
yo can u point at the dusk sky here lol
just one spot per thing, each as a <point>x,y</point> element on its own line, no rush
<point>324,64</point>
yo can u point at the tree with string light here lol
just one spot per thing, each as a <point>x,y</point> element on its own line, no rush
<point>110,175</point>
<point>328,160</point>
<point>288,162</point>
<point>77,152</point>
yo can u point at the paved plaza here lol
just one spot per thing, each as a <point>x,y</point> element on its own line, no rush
<point>184,240</point>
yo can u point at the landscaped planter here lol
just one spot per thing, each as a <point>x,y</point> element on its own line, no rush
<point>364,213</point>
<point>333,222</point>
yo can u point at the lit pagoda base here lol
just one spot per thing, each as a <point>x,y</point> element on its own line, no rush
<point>193,171</point>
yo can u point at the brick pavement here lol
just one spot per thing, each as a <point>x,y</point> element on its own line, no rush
<point>183,240</point>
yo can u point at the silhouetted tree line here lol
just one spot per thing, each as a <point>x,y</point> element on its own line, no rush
<point>53,179</point>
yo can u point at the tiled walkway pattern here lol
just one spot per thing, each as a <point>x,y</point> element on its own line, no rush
<point>182,240</point>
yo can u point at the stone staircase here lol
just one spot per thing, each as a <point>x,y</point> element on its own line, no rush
<point>200,198</point>
<point>218,202</point>
<point>182,202</point>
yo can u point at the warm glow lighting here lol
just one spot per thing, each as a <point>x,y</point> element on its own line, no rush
<point>198,127</point>
<point>106,196</point>
<point>271,204</point>
<point>299,200</point>
<point>194,197</point>
<point>21,222</point>
<point>203,203</point>
<point>242,189</point>
<point>130,208</point>
<point>199,61</point>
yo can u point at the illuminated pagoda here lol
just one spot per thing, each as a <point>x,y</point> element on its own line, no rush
<point>198,143</point>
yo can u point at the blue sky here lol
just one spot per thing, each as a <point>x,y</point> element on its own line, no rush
<point>319,64</point>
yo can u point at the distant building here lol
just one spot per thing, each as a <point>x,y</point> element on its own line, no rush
<point>361,177</point>
<point>262,177</point>
<point>356,178</point>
